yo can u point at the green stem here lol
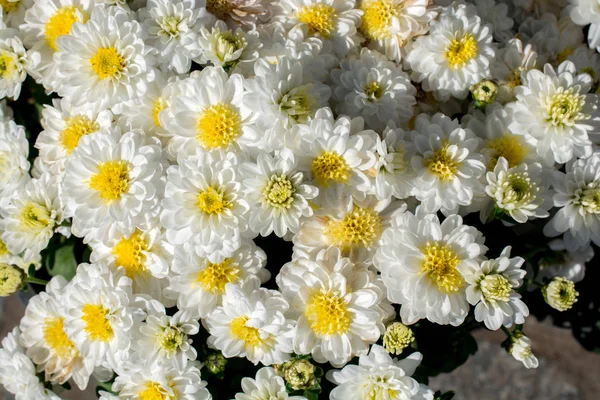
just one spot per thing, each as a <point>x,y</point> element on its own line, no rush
<point>31,279</point>
<point>508,333</point>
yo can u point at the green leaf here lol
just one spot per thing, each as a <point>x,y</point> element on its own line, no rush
<point>62,262</point>
<point>311,395</point>
<point>446,396</point>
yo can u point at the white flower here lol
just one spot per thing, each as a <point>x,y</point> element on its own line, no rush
<point>578,196</point>
<point>14,150</point>
<point>512,61</point>
<point>447,163</point>
<point>454,56</point>
<point>495,13</point>
<point>236,13</point>
<point>13,12</point>
<point>587,61</point>
<point>554,37</point>
<point>15,62</point>
<point>379,376</point>
<point>251,323</point>
<point>422,262</point>
<point>561,262</point>
<point>520,349</point>
<point>375,88</point>
<point>266,386</point>
<point>554,113</point>
<point>584,12</point>
<point>337,305</point>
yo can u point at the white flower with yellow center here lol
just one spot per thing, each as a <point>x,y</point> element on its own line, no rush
<point>198,285</point>
<point>447,163</point>
<point>330,20</point>
<point>113,184</point>
<point>63,126</point>
<point>379,376</point>
<point>422,262</point>
<point>210,114</point>
<point>13,12</point>
<point>554,112</point>
<point>45,340</point>
<point>103,60</point>
<point>276,193</point>
<point>512,61</point>
<point>373,87</point>
<point>337,304</point>
<point>251,323</point>
<point>15,62</point>
<point>492,290</point>
<point>578,198</point>
<point>266,385</point>
<point>455,55</point>
<point>14,150</point>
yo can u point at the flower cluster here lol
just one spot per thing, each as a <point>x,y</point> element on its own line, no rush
<point>378,139</point>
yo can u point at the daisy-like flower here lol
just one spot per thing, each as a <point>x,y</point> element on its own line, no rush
<point>330,20</point>
<point>15,62</point>
<point>203,205</point>
<point>103,60</point>
<point>210,114</point>
<point>12,12</point>
<point>237,12</point>
<point>337,305</point>
<point>45,340</point>
<point>266,385</point>
<point>455,55</point>
<point>276,193</point>
<point>578,196</point>
<point>558,261</point>
<point>554,113</point>
<point>251,323</point>
<point>198,285</point>
<point>390,24</point>
<point>511,62</point>
<point>447,163</point>
<point>63,126</point>
<point>14,150</point>
<point>375,88</point>
<point>113,184</point>
<point>520,349</point>
<point>423,261</point>
<point>491,290</point>
<point>380,376</point>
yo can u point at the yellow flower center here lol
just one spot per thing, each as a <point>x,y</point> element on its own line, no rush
<point>212,201</point>
<point>439,266</point>
<point>157,107</point>
<point>442,164</point>
<point>508,146</point>
<point>60,23</point>
<point>590,200</point>
<point>327,314</point>
<point>8,5</point>
<point>76,127</point>
<point>360,227</point>
<point>107,63</point>
<point>518,190</point>
<point>129,254</point>
<point>515,78</point>
<point>56,338</point>
<point>97,325</point>
<point>564,107</point>
<point>214,277</point>
<point>7,65</point>
<point>170,339</point>
<point>495,288</point>
<point>250,336</point>
<point>320,19</point>
<point>377,18</point>
<point>220,8</point>
<point>154,391</point>
<point>564,54</point>
<point>218,126</point>
<point>35,217</point>
<point>3,250</point>
<point>330,167</point>
<point>373,90</point>
<point>111,180</point>
<point>461,50</point>
<point>279,192</point>
<point>170,25</point>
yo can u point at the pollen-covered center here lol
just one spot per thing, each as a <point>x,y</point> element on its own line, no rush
<point>75,128</point>
<point>564,107</point>
<point>330,167</point>
<point>495,288</point>
<point>439,266</point>
<point>35,217</point>
<point>214,277</point>
<point>60,23</point>
<point>154,391</point>
<point>218,126</point>
<point>590,199</point>
<point>212,201</point>
<point>442,164</point>
<point>107,63</point>
<point>320,19</point>
<point>219,8</point>
<point>169,26</point>
<point>360,227</point>
<point>279,192</point>
<point>249,335</point>
<point>9,6</point>
<point>7,65</point>
<point>56,338</point>
<point>377,18</point>
<point>508,146</point>
<point>373,91</point>
<point>327,314</point>
<point>170,339</point>
<point>461,50</point>
<point>97,325</point>
<point>111,179</point>
<point>129,254</point>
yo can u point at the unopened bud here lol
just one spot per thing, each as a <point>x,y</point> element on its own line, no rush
<point>12,279</point>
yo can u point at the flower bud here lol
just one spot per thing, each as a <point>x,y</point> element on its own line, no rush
<point>560,294</point>
<point>484,92</point>
<point>215,363</point>
<point>397,337</point>
<point>520,349</point>
<point>12,279</point>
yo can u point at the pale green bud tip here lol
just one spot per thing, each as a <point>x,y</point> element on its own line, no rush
<point>560,294</point>
<point>299,374</point>
<point>484,92</point>
<point>12,279</point>
<point>215,363</point>
<point>397,337</point>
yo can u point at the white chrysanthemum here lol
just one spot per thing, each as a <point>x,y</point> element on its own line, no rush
<point>584,12</point>
<point>520,349</point>
<point>276,193</point>
<point>374,88</point>
<point>236,13</point>
<point>422,262</point>
<point>14,150</point>
<point>553,37</point>
<point>266,386</point>
<point>554,113</point>
<point>587,61</point>
<point>447,163</point>
<point>32,216</point>
<point>491,290</point>
<point>15,62</point>
<point>63,126</point>
<point>512,61</point>
<point>198,285</point>
<point>559,261</point>
<point>578,196</point>
<point>251,323</point>
<point>45,340</point>
<point>339,308</point>
<point>283,95</point>
<point>390,24</point>
<point>113,184</point>
<point>12,12</point>
<point>330,20</point>
<point>455,55</point>
<point>204,207</point>
<point>379,376</point>
<point>210,114</point>
<point>103,60</point>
